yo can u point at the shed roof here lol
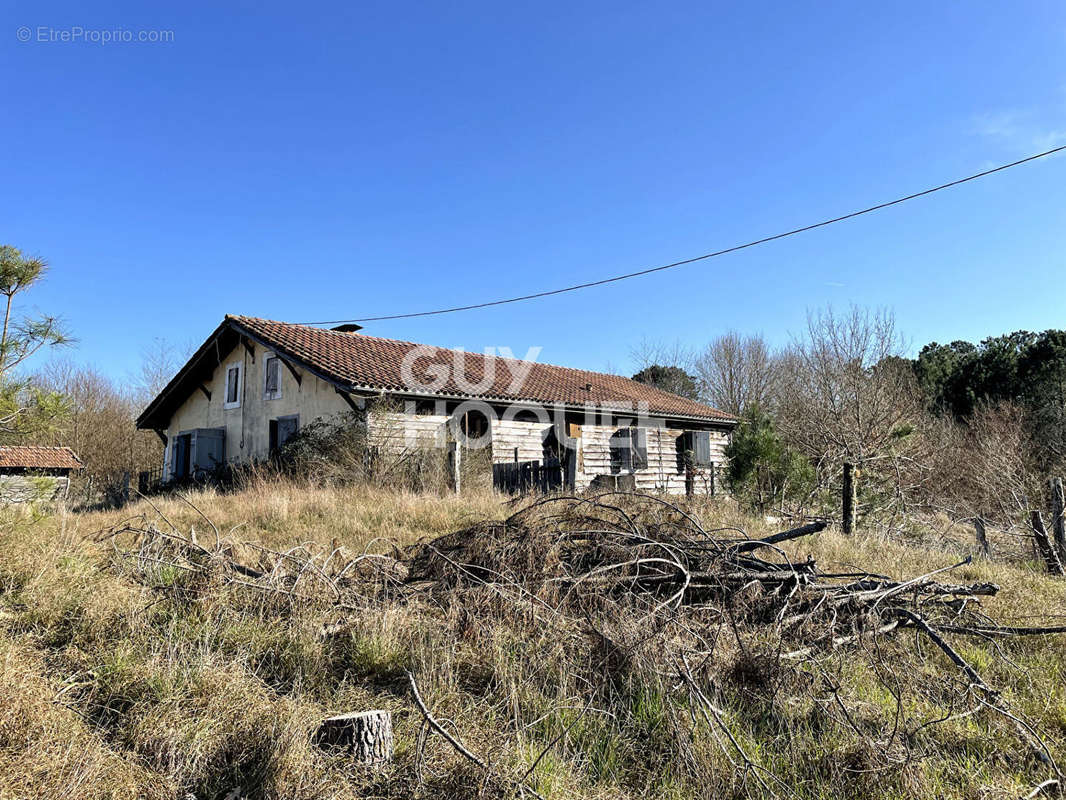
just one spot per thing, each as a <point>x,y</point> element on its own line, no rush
<point>355,362</point>
<point>34,457</point>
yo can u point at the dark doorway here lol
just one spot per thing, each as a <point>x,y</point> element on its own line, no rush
<point>281,430</point>
<point>474,425</point>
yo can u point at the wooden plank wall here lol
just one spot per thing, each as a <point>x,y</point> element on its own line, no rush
<point>594,453</point>
<point>662,473</point>
<point>528,437</point>
<point>396,431</point>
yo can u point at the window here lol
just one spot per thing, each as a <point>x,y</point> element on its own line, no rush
<point>629,449</point>
<point>427,408</point>
<point>233,385</point>
<point>695,449</point>
<point>271,378</point>
<point>474,425</point>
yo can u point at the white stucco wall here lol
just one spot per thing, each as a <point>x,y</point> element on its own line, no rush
<point>248,425</point>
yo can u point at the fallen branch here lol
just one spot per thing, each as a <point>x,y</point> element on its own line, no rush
<point>455,743</point>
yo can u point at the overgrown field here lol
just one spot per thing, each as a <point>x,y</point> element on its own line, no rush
<point>158,676</point>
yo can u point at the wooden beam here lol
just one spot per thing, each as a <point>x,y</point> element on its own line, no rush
<point>1044,544</point>
<point>206,391</point>
<point>348,399</point>
<point>162,436</point>
<point>292,370</point>
<point>249,347</point>
<point>1058,516</point>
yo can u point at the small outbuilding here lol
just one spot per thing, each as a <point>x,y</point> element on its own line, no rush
<point>29,472</point>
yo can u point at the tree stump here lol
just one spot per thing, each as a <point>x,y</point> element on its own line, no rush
<point>367,734</point>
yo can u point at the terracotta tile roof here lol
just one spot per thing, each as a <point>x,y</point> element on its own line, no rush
<point>359,361</point>
<point>33,457</point>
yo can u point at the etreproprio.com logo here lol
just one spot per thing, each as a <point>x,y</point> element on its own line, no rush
<point>78,34</point>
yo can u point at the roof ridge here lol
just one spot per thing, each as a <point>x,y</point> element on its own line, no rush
<point>578,370</point>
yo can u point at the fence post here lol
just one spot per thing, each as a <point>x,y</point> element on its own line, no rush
<point>1043,543</point>
<point>455,460</point>
<point>1058,520</point>
<point>848,501</point>
<point>982,536</point>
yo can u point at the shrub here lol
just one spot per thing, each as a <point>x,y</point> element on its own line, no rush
<point>763,470</point>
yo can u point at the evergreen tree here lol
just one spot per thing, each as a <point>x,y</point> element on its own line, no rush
<point>24,408</point>
<point>670,379</point>
<point>762,468</point>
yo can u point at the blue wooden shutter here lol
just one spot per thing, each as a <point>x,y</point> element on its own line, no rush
<point>702,448</point>
<point>287,427</point>
<point>273,375</point>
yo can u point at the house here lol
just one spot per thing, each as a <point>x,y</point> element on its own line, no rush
<point>255,382</point>
<point>30,473</point>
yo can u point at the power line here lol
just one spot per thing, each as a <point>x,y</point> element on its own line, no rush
<point>694,259</point>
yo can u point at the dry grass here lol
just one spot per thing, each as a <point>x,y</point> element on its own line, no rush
<point>112,687</point>
<point>278,512</point>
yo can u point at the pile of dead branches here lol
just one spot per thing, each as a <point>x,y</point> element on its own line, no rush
<point>634,578</point>
<point>567,550</point>
<point>158,554</point>
<point>622,554</point>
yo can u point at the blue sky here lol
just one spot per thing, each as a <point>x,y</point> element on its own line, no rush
<point>332,160</point>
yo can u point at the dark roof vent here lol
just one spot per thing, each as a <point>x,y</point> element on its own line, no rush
<point>348,327</point>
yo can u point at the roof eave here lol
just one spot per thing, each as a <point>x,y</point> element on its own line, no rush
<point>496,399</point>
<point>145,417</point>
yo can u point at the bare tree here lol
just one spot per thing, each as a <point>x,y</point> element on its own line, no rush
<point>100,424</point>
<point>984,466</point>
<point>650,353</point>
<point>160,361</point>
<point>737,373</point>
<point>846,393</point>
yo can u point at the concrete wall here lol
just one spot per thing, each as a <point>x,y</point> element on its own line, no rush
<point>30,488</point>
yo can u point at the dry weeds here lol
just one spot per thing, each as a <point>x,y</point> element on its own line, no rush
<point>140,681</point>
